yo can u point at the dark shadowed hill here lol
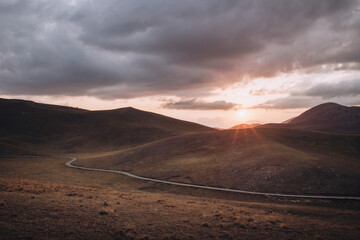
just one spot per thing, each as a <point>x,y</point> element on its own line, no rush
<point>69,129</point>
<point>328,117</point>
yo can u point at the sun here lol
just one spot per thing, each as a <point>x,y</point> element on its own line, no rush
<point>241,114</point>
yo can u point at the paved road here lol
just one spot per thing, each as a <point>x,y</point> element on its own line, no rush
<point>73,159</point>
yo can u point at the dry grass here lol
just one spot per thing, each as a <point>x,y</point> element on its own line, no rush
<point>33,209</point>
<point>271,160</point>
<point>40,198</point>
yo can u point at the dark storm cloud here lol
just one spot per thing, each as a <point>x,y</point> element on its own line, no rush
<point>123,49</point>
<point>194,104</point>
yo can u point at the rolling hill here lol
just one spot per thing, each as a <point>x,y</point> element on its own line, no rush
<point>65,129</point>
<point>328,117</point>
<point>255,159</point>
<point>286,158</point>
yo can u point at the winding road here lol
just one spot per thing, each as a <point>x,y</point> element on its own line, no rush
<point>73,159</point>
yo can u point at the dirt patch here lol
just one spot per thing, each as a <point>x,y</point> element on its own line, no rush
<point>62,211</point>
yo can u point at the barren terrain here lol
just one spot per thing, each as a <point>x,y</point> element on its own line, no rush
<point>267,160</point>
<point>42,199</point>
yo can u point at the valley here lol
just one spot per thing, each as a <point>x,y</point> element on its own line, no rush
<point>43,198</point>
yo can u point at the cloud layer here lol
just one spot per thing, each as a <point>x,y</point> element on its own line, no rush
<point>345,92</point>
<point>332,90</point>
<point>194,104</point>
<point>124,49</point>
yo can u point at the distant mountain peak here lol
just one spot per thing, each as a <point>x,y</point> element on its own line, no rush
<point>329,117</point>
<point>245,125</point>
<point>328,105</point>
<point>129,108</point>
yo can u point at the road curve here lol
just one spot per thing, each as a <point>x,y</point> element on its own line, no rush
<point>73,159</point>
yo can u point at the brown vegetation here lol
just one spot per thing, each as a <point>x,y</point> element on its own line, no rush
<point>327,117</point>
<point>268,160</point>
<point>41,198</point>
<point>34,208</point>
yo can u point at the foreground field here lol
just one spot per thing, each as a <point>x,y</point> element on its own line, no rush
<point>42,199</point>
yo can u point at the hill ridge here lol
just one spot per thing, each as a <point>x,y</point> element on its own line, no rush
<point>70,129</point>
<point>329,117</point>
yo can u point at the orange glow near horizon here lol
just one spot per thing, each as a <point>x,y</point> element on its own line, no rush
<point>217,118</point>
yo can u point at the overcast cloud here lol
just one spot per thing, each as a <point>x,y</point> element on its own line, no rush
<point>131,48</point>
<point>194,104</point>
<point>289,102</point>
<point>332,90</point>
<point>344,92</point>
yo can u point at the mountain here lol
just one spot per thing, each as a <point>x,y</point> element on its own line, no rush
<point>275,159</point>
<point>328,117</point>
<point>244,125</point>
<point>72,129</point>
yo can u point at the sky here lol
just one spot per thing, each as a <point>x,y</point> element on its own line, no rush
<point>218,63</point>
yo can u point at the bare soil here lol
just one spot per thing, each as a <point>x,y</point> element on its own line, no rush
<point>51,201</point>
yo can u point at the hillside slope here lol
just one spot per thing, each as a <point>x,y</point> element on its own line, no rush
<point>269,160</point>
<point>328,117</point>
<point>69,129</point>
